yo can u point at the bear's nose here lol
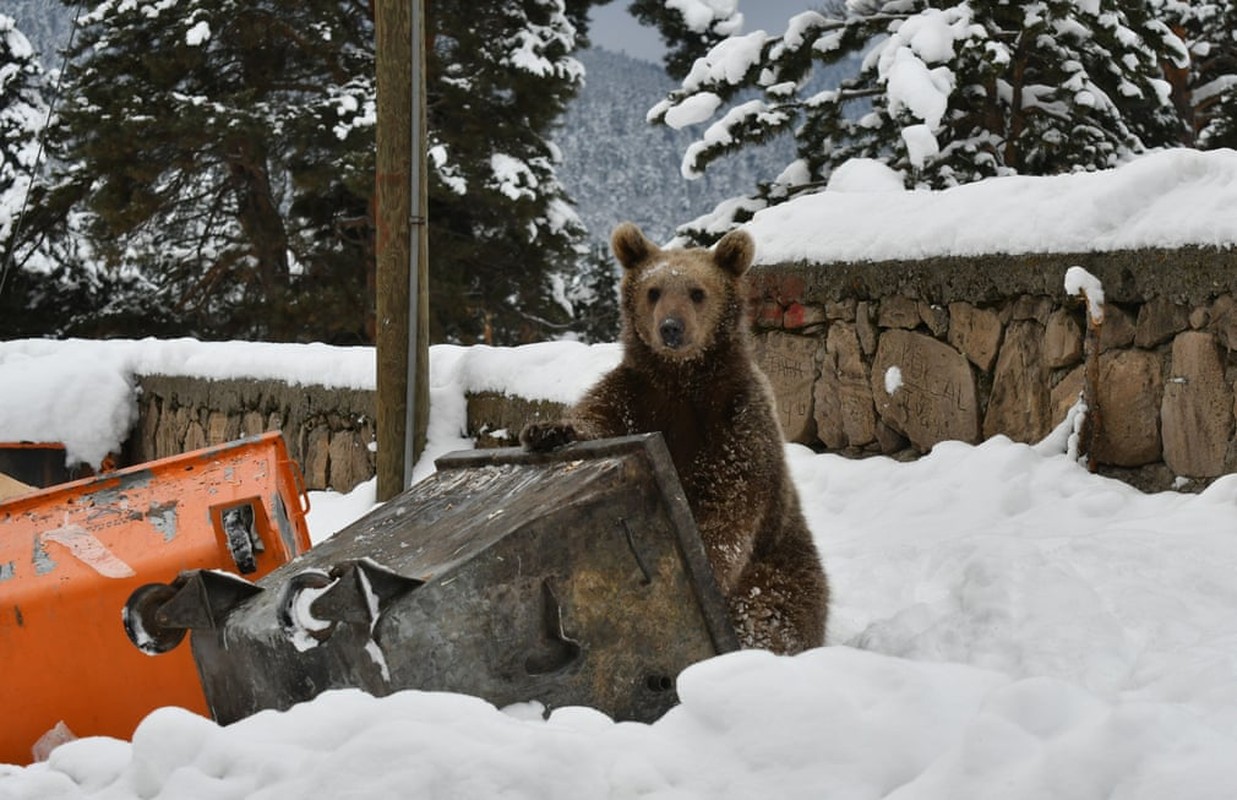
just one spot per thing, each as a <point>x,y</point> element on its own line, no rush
<point>671,330</point>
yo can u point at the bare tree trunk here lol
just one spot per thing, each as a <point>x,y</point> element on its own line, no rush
<point>264,229</point>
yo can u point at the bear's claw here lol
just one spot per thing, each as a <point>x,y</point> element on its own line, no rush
<point>543,436</point>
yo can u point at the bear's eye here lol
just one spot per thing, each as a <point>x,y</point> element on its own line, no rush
<point>697,296</point>
<point>654,294</point>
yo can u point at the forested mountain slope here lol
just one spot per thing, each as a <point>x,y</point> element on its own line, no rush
<point>616,166</point>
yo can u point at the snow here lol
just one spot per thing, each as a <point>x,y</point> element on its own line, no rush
<point>904,64</point>
<point>198,34</point>
<point>701,15</point>
<point>863,175</point>
<point>1170,198</point>
<point>693,110</point>
<point>513,177</point>
<point>893,379</point>
<point>1003,623</point>
<point>728,61</point>
<point>722,131</point>
<point>83,393</point>
<point>1079,281</point>
<point>302,623</point>
<point>921,144</point>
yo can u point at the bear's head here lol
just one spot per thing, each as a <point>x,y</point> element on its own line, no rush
<point>680,302</point>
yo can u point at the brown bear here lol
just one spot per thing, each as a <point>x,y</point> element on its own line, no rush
<point>687,372</point>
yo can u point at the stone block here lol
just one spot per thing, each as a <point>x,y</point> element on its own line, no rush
<point>221,427</point>
<point>166,442</point>
<point>1118,329</point>
<point>1062,339</point>
<point>1063,396</point>
<point>1196,414</point>
<point>1036,307</point>
<point>251,423</point>
<point>790,363</point>
<point>898,311</point>
<point>771,295</point>
<point>889,440</point>
<point>495,420</point>
<point>924,389</point>
<point>843,310</point>
<point>1020,404</point>
<point>975,332</point>
<point>935,317</point>
<point>844,413</point>
<point>195,437</point>
<point>1222,320</point>
<point>349,461</point>
<point>866,328</point>
<point>1159,320</point>
<point>797,316</point>
<point>768,314</point>
<point>317,458</point>
<point>1130,390</point>
<point>183,417</point>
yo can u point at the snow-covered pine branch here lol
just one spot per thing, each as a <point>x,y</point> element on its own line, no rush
<point>943,94</point>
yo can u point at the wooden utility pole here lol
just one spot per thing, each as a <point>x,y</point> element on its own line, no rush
<point>402,234</point>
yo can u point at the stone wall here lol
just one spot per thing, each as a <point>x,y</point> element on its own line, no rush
<point>329,432</point>
<point>886,358</point>
<point>892,358</point>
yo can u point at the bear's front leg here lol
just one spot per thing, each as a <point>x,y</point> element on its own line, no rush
<point>541,437</point>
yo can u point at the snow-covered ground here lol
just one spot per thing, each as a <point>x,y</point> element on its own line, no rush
<point>1004,625</point>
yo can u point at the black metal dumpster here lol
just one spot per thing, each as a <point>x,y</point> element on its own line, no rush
<point>573,578</point>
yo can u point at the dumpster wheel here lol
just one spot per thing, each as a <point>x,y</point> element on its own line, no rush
<point>141,619</point>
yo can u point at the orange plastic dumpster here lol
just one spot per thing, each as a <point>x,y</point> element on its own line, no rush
<point>72,554</point>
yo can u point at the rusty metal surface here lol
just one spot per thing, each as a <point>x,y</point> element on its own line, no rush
<point>571,578</point>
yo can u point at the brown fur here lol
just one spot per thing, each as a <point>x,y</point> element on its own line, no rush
<point>688,373</point>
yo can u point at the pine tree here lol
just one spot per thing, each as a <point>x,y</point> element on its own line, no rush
<point>22,116</point>
<point>944,93</point>
<point>1205,92</point>
<point>224,152</point>
<point>688,30</point>
<point>204,145</point>
<point>502,232</point>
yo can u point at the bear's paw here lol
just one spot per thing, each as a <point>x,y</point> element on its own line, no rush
<point>543,436</point>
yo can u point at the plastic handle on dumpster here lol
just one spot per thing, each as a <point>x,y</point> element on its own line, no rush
<point>298,478</point>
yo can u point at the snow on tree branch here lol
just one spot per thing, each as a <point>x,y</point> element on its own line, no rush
<point>942,93</point>
<point>22,116</point>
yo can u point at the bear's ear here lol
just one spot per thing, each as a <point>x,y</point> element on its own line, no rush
<point>734,253</point>
<point>630,246</point>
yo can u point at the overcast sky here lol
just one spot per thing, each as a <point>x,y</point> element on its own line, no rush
<point>615,30</point>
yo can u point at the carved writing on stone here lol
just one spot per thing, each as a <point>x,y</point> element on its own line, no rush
<point>931,396</point>
<point>789,362</point>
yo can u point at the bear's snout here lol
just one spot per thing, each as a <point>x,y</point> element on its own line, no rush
<point>671,330</point>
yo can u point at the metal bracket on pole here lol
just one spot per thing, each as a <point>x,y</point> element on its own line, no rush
<point>417,221</point>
